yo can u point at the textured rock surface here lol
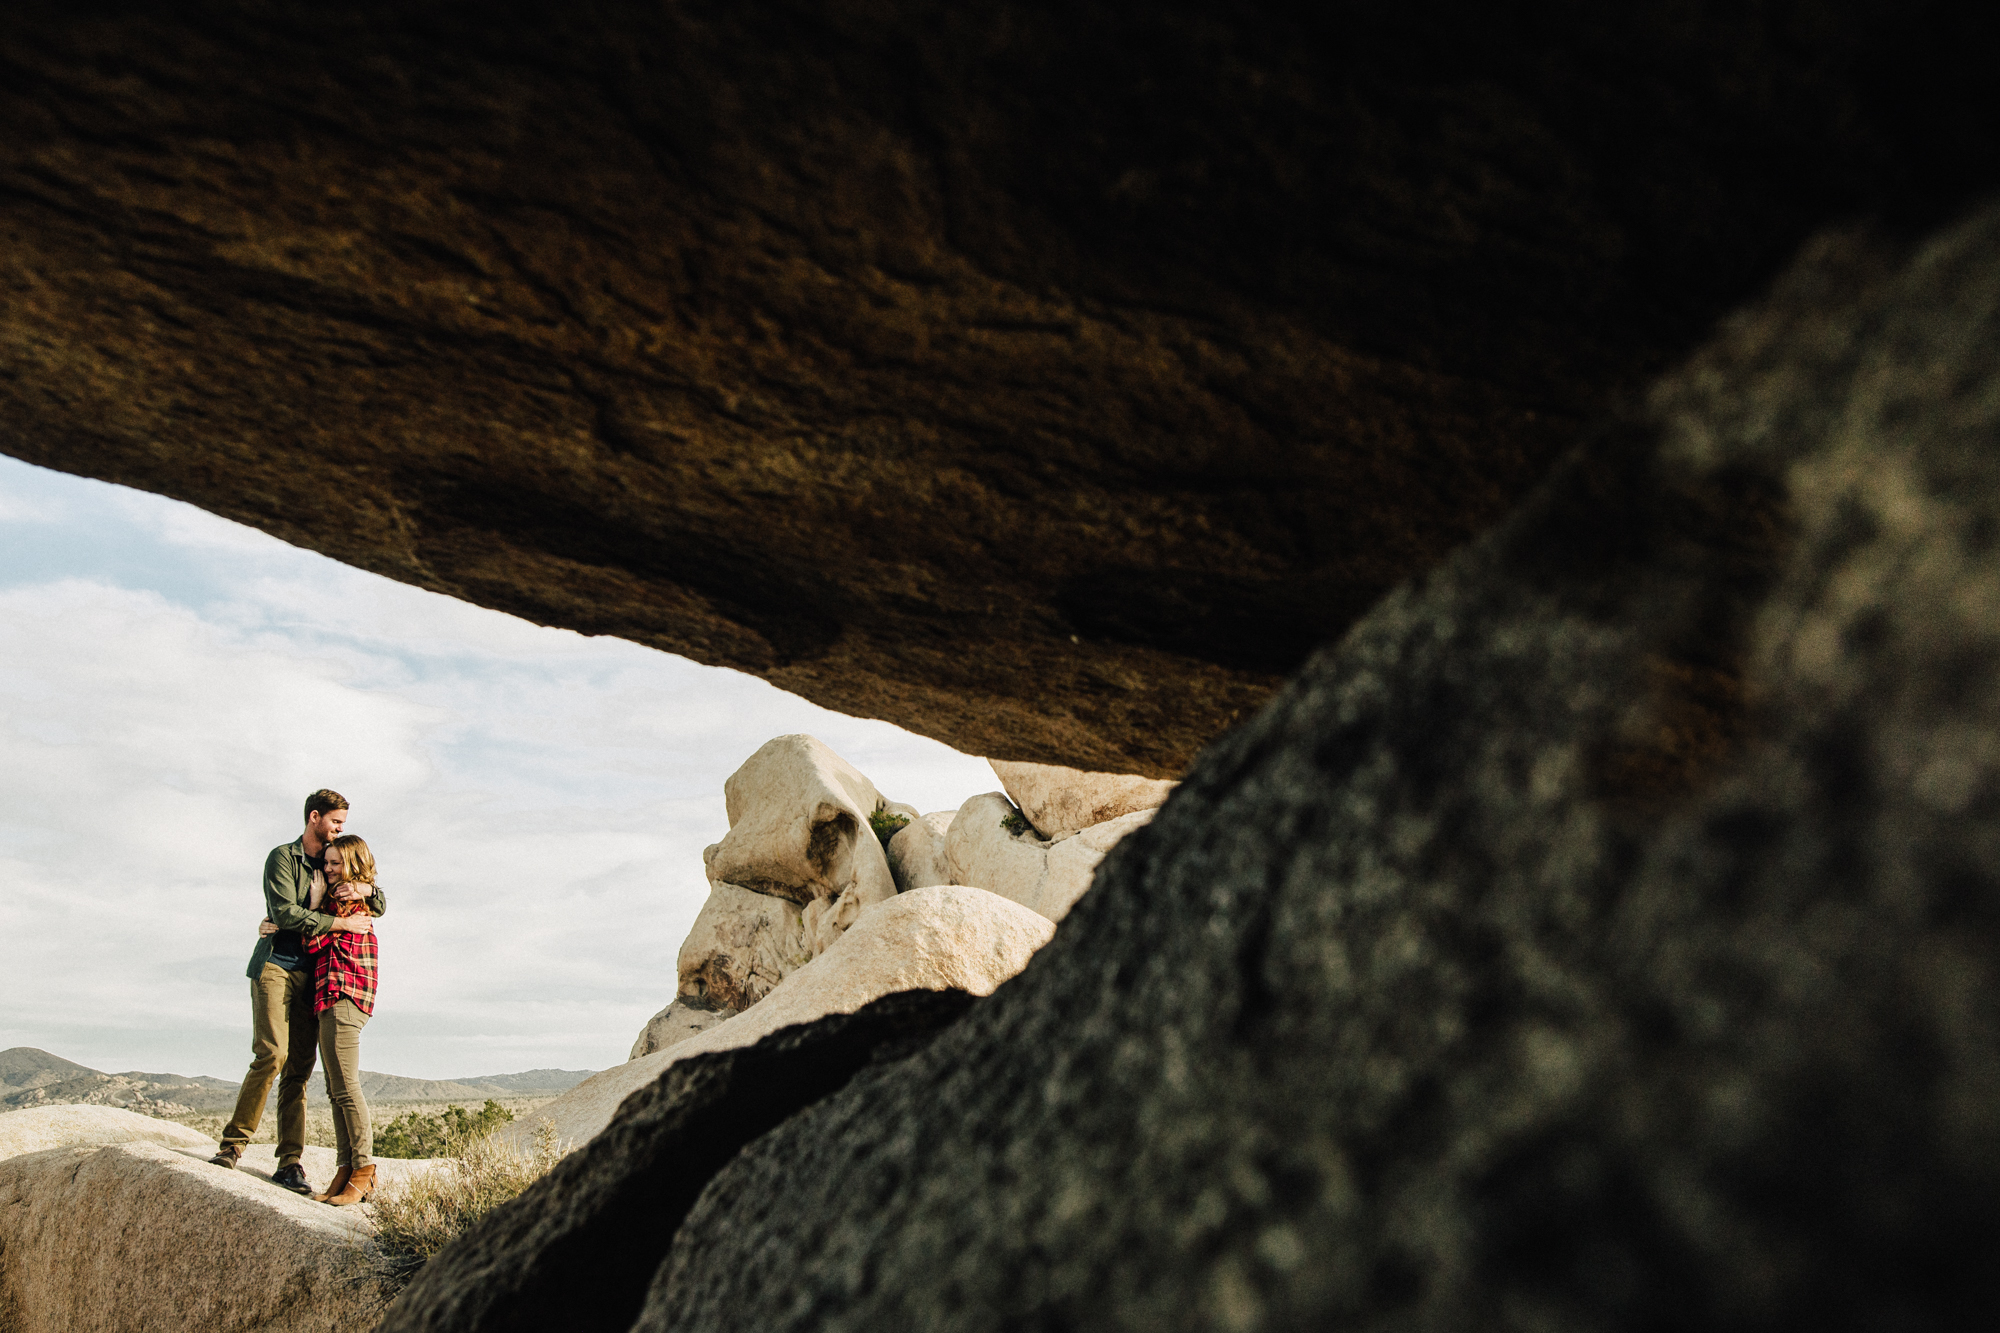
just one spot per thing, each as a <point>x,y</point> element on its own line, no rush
<point>825,919</point>
<point>43,1127</point>
<point>125,1226</point>
<point>1605,936</point>
<point>741,945</point>
<point>798,827</point>
<point>576,1250</point>
<point>672,1025</point>
<point>1042,876</point>
<point>917,852</point>
<point>1062,801</point>
<point>940,938</point>
<point>931,939</point>
<point>1072,863</point>
<point>1187,328</point>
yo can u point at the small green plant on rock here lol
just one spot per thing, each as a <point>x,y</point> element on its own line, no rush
<point>417,1135</point>
<point>886,824</point>
<point>1016,823</point>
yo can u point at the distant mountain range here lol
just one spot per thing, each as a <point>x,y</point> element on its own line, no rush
<point>29,1077</point>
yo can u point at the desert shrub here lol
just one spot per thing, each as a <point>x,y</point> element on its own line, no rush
<point>416,1218</point>
<point>415,1134</point>
<point>1016,823</point>
<point>886,824</point>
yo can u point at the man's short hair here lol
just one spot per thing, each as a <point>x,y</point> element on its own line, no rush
<point>324,802</point>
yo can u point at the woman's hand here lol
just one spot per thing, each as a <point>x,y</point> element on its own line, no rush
<point>266,927</point>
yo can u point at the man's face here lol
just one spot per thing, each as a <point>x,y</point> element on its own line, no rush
<point>326,827</point>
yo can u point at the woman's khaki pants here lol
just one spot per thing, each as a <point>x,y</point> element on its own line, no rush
<point>340,1027</point>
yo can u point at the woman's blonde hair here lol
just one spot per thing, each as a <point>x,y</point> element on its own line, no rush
<point>357,863</point>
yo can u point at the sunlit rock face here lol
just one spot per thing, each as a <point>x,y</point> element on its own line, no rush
<point>1048,379</point>
<point>116,1222</point>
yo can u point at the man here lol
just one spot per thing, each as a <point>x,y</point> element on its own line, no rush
<point>284,1033</point>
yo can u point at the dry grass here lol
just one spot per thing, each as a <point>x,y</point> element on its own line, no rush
<point>419,1217</point>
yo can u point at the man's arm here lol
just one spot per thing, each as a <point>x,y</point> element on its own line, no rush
<point>283,894</point>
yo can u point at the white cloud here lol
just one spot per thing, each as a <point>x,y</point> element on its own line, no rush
<point>176,524</point>
<point>538,800</point>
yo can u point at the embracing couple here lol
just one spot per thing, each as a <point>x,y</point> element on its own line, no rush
<point>312,989</point>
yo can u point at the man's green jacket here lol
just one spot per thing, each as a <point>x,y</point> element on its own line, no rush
<point>287,885</point>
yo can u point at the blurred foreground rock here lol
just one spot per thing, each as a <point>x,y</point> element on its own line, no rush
<point>577,1249</point>
<point>1605,935</point>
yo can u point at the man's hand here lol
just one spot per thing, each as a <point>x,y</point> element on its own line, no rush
<point>358,925</point>
<point>349,893</point>
<point>266,927</point>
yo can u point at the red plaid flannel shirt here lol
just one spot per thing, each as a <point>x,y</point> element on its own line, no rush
<point>344,964</point>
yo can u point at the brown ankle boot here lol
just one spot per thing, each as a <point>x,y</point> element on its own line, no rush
<point>359,1186</point>
<point>340,1176</point>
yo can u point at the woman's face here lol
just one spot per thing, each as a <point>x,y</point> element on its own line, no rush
<point>336,868</point>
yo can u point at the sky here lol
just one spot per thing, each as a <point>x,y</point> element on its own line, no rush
<point>173,684</point>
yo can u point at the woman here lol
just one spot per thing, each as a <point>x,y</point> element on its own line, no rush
<point>344,1000</point>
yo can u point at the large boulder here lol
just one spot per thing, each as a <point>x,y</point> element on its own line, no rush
<point>917,852</point>
<point>673,1025</point>
<point>946,938</point>
<point>1061,801</point>
<point>1603,936</point>
<point>741,945</point>
<point>111,1221</point>
<point>990,845</point>
<point>798,828</point>
<point>40,1128</point>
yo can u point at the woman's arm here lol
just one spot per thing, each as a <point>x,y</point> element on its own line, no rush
<point>317,894</point>
<point>378,903</point>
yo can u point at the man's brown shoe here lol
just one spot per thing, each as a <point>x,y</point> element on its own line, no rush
<point>225,1156</point>
<point>340,1176</point>
<point>359,1186</point>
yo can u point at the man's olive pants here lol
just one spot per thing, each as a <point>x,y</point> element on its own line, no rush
<point>284,1038</point>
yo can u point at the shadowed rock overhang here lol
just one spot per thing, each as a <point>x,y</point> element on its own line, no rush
<point>1047,379</point>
